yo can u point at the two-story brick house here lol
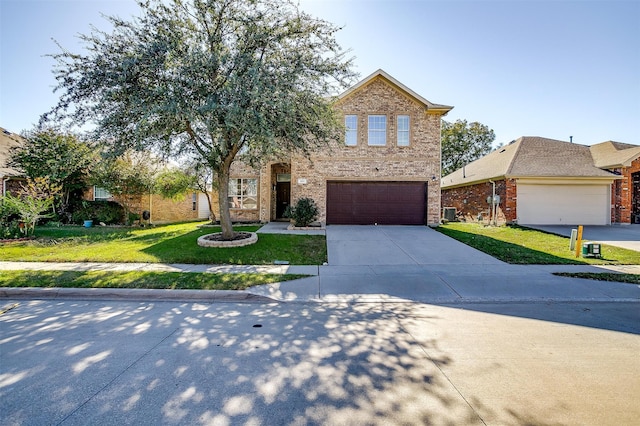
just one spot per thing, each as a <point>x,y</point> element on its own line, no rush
<point>386,170</point>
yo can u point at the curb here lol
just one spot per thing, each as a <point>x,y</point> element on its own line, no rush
<point>227,296</point>
<point>133,294</point>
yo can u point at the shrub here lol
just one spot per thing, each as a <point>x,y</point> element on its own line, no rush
<point>9,224</point>
<point>304,212</point>
<point>108,212</point>
<point>11,230</point>
<point>31,203</point>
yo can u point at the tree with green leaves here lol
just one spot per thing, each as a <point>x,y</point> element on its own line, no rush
<point>463,143</point>
<point>208,78</point>
<point>32,202</point>
<point>128,178</point>
<point>62,158</point>
<point>172,183</point>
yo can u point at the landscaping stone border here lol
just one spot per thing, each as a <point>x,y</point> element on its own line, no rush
<point>319,227</point>
<point>204,242</point>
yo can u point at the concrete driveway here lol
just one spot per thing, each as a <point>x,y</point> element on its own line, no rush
<point>625,236</point>
<point>398,245</point>
<point>385,263</point>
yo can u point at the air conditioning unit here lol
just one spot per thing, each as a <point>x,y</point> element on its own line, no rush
<point>450,214</point>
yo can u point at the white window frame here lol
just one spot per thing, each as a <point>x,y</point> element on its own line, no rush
<point>104,194</point>
<point>403,134</point>
<point>377,130</point>
<point>351,130</point>
<point>238,195</point>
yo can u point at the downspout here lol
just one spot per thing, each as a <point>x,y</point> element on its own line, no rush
<point>4,185</point>
<point>493,203</point>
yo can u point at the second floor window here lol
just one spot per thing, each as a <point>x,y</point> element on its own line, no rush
<point>403,130</point>
<point>377,130</point>
<point>351,132</point>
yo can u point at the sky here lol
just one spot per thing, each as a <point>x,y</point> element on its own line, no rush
<point>553,69</point>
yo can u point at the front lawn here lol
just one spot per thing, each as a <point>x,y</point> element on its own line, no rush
<point>174,243</point>
<point>137,279</point>
<point>519,245</point>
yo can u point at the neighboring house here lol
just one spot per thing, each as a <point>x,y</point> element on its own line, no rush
<point>192,205</point>
<point>545,181</point>
<point>10,178</point>
<point>624,160</point>
<point>386,169</point>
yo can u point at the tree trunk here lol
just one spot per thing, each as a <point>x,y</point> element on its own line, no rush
<point>212,215</point>
<point>223,200</point>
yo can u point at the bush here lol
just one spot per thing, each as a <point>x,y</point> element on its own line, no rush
<point>9,223</point>
<point>11,230</point>
<point>107,212</point>
<point>304,212</point>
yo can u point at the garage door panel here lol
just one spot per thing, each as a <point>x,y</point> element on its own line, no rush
<point>376,202</point>
<point>563,204</point>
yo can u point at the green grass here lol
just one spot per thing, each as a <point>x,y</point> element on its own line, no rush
<point>519,245</point>
<point>603,276</point>
<point>141,280</point>
<point>174,243</point>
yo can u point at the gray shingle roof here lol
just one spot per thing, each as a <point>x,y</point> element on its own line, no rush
<point>529,156</point>
<point>612,155</point>
<point>7,141</point>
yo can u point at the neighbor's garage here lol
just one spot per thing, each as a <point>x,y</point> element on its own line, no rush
<point>563,204</point>
<point>384,203</point>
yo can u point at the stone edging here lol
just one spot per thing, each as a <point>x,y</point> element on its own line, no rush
<point>305,228</point>
<point>203,242</point>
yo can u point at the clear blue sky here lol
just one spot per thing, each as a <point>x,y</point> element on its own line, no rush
<point>523,68</point>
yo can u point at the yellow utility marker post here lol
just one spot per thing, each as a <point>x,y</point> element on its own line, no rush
<point>579,241</point>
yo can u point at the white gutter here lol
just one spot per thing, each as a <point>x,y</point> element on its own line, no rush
<point>4,185</point>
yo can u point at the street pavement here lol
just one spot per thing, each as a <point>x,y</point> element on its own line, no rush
<point>77,362</point>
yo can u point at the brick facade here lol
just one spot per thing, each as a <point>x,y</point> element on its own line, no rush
<point>625,205</point>
<point>420,161</point>
<point>13,185</point>
<point>471,204</point>
<point>163,210</point>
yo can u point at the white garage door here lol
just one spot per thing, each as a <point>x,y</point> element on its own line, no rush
<point>563,204</point>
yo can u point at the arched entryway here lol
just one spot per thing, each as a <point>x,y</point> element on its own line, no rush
<point>281,190</point>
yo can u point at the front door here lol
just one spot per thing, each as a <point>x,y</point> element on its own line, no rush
<point>283,198</point>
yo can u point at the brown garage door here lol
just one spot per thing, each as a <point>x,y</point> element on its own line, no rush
<point>384,203</point>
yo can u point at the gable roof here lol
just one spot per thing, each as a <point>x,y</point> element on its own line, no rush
<point>8,140</point>
<point>429,106</point>
<point>613,155</point>
<point>529,156</point>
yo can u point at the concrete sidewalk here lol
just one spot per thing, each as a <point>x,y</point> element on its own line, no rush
<point>432,283</point>
<point>370,264</point>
